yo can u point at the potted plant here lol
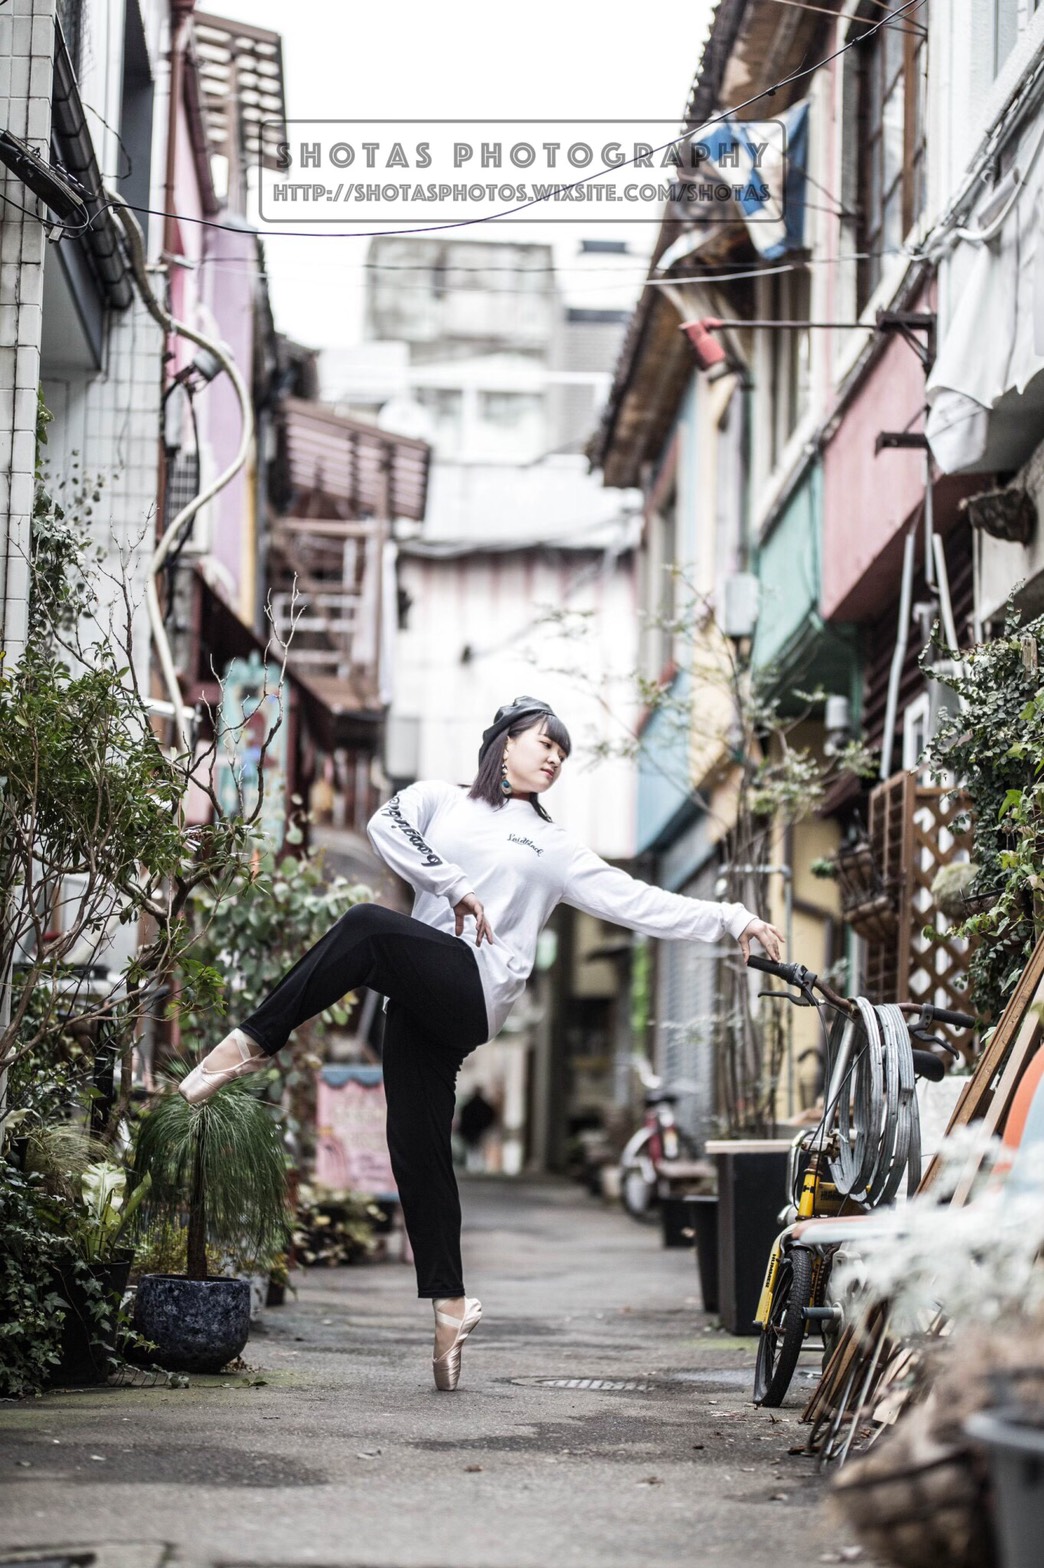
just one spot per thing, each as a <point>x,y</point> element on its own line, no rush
<point>93,1281</point>
<point>95,1213</point>
<point>218,1168</point>
<point>334,1227</point>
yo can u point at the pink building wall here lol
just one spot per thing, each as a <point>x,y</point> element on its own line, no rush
<point>216,295</point>
<point>229,286</point>
<point>867,498</point>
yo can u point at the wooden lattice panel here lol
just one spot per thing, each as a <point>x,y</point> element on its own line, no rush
<point>912,834</point>
<point>890,807</point>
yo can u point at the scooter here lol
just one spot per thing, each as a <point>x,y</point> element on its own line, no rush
<point>656,1142</point>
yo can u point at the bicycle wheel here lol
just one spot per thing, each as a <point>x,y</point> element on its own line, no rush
<point>784,1333</point>
<point>639,1195</point>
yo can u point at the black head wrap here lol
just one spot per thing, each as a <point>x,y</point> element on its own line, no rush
<point>508,716</point>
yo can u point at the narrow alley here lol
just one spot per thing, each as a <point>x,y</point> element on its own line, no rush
<point>335,1449</point>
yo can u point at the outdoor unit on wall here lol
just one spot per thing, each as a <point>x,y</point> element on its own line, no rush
<point>191,472</point>
<point>740,603</point>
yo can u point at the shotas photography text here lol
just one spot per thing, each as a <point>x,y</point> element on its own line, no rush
<point>387,171</point>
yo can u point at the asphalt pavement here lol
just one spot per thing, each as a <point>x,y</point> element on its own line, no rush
<point>602,1419</point>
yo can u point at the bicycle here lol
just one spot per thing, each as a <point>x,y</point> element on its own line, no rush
<point>866,1142</point>
<point>657,1142</point>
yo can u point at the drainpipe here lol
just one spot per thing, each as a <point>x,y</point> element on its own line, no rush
<point>180,20</point>
<point>899,656</point>
<point>181,17</point>
<point>180,523</point>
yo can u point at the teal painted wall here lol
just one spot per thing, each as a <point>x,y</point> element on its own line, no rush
<point>663,768</point>
<point>789,567</point>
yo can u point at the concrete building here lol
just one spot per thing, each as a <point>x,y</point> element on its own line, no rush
<point>904,274</point>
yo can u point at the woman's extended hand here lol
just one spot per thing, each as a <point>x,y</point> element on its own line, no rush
<point>760,931</point>
<point>469,905</point>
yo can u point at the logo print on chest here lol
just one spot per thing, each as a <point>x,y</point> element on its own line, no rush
<point>516,838</point>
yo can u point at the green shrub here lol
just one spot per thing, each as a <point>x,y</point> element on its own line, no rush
<point>31,1310</point>
<point>991,742</point>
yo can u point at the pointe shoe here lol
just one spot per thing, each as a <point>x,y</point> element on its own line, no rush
<point>203,1081</point>
<point>447,1366</point>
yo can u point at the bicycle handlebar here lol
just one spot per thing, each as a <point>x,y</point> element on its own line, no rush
<point>801,979</point>
<point>944,1015</point>
<point>805,980</point>
<point>928,1066</point>
<point>792,974</point>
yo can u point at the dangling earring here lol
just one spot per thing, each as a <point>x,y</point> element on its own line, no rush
<point>505,782</point>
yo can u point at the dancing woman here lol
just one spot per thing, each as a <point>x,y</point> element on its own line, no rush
<point>487,866</point>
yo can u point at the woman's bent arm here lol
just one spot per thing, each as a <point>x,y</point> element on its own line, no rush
<point>397,832</point>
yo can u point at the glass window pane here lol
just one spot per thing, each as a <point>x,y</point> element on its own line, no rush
<point>892,226</point>
<point>892,138</point>
<point>1005,30</point>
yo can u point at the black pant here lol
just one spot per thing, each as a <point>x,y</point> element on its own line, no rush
<point>436,1016</point>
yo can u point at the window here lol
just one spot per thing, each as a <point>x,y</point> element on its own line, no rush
<point>1010,18</point>
<point>445,405</point>
<point>789,349</point>
<point>70,18</point>
<point>510,409</point>
<point>891,130</point>
<point>917,730</point>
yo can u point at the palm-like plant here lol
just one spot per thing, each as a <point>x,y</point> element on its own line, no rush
<point>222,1164</point>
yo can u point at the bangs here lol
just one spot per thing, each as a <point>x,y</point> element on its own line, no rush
<point>556,731</point>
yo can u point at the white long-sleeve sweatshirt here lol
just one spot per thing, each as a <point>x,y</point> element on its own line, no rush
<point>520,867</point>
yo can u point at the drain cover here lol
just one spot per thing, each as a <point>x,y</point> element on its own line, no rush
<point>601,1385</point>
<point>47,1562</point>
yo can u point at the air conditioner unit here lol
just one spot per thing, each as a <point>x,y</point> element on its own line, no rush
<point>187,475</point>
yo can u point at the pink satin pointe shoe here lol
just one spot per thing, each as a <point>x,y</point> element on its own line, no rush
<point>447,1366</point>
<point>203,1081</point>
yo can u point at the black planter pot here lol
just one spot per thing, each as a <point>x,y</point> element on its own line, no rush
<point>197,1325</point>
<point>676,1222</point>
<point>85,1351</point>
<point>752,1178</point>
<point>703,1217</point>
<point>1014,1438</point>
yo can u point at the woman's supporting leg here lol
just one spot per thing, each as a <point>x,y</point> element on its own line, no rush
<point>432,973</point>
<point>420,1076</point>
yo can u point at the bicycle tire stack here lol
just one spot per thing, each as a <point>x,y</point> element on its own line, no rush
<point>860,1370</point>
<point>870,1139</point>
<point>878,1127</point>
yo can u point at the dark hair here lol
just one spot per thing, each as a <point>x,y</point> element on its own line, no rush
<point>487,780</point>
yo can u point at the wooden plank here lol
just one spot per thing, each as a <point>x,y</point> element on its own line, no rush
<point>848,1347</point>
<point>324,527</point>
<point>979,1091</point>
<point>996,1111</point>
<point>972,1103</point>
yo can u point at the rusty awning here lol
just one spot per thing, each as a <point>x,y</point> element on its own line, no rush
<point>357,469</point>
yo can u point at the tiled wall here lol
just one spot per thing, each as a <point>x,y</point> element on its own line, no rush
<point>26,48</point>
<point>111,421</point>
<point>108,419</point>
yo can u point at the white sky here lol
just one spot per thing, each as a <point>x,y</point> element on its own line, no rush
<point>469,59</point>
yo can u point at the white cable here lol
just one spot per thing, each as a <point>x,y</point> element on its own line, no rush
<point>180,523</point>
<point>992,229</point>
<point>944,233</point>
